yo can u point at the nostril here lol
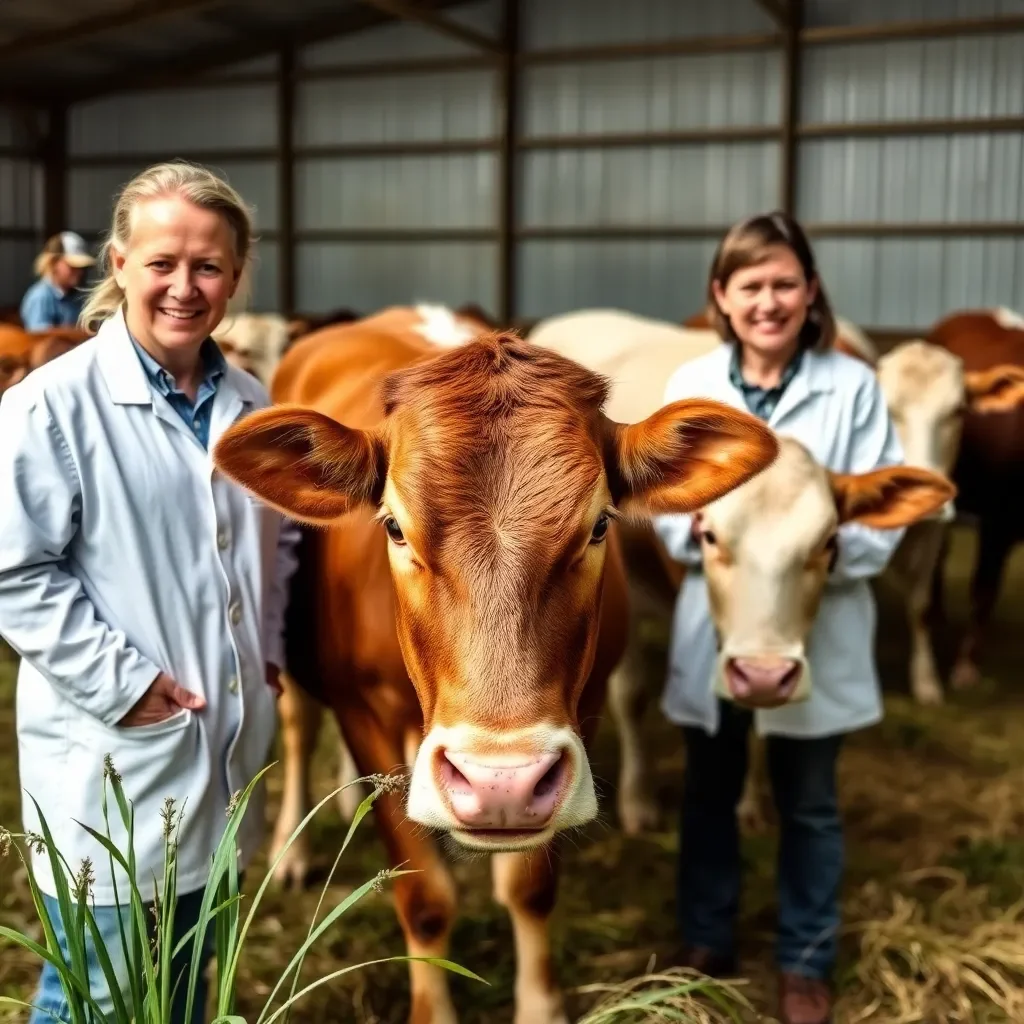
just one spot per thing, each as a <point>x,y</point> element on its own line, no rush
<point>551,779</point>
<point>453,778</point>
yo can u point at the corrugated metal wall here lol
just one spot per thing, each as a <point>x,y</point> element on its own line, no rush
<point>231,128</point>
<point>645,188</point>
<point>376,226</point>
<point>398,169</point>
<point>21,205</point>
<point>963,178</point>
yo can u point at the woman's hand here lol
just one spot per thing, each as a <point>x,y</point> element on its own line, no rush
<point>163,699</point>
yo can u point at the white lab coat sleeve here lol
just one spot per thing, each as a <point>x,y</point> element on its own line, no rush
<point>865,551</point>
<point>45,613</point>
<point>286,562</point>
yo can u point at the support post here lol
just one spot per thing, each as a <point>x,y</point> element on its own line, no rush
<point>509,157</point>
<point>790,106</point>
<point>286,180</point>
<point>55,159</point>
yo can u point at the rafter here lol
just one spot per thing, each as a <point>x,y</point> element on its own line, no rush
<point>77,32</point>
<point>445,26</point>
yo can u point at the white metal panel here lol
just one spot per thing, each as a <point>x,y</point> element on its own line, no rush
<point>664,279</point>
<point>657,94</point>
<point>977,76</point>
<point>406,108</point>
<point>369,276</point>
<point>16,258</point>
<point>21,193</point>
<point>921,179</point>
<point>867,12</point>
<point>665,185</point>
<point>264,280</point>
<point>402,40</point>
<point>457,190</point>
<point>571,23</point>
<point>180,121</point>
<point>914,282</point>
<point>92,191</point>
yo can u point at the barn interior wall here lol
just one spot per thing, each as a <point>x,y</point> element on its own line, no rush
<point>625,169</point>
<point>21,203</point>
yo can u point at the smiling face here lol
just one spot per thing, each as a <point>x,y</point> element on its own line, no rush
<point>178,273</point>
<point>767,303</point>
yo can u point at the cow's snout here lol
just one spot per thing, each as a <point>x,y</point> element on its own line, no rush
<point>503,792</point>
<point>763,682</point>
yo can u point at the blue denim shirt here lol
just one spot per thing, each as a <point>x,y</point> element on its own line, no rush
<point>45,305</point>
<point>762,401</point>
<point>196,417</point>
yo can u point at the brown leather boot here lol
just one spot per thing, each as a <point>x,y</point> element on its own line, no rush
<point>804,1000</point>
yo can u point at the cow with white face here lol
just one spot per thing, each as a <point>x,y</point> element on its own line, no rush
<point>767,551</point>
<point>929,393</point>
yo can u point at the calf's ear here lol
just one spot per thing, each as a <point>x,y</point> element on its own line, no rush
<point>891,497</point>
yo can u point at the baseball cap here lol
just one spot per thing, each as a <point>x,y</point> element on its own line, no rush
<point>72,247</point>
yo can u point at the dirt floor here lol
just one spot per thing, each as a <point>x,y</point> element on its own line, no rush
<point>934,809</point>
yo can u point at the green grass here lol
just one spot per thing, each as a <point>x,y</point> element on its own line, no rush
<point>936,788</point>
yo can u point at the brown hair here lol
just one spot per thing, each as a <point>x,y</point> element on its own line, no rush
<point>745,245</point>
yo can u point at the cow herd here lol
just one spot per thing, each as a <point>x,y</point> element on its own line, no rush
<point>478,556</point>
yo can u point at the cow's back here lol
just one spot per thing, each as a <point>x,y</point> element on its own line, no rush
<point>990,468</point>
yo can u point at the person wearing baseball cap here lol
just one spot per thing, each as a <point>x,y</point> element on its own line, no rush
<point>55,300</point>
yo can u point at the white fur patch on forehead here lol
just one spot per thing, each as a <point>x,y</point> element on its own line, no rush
<point>1008,318</point>
<point>793,490</point>
<point>440,325</point>
<point>919,374</point>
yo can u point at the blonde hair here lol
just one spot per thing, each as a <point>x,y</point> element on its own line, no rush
<point>749,243</point>
<point>192,182</point>
<point>44,263</point>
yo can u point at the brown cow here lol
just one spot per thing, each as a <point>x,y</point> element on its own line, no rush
<point>467,603</point>
<point>989,470</point>
<point>22,351</point>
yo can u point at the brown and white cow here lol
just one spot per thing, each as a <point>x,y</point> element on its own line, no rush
<point>989,467</point>
<point>466,600</point>
<point>930,394</point>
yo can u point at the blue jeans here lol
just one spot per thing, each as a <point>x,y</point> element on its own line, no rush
<point>50,996</point>
<point>810,862</point>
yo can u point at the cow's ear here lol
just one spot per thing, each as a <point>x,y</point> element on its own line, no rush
<point>303,463</point>
<point>998,389</point>
<point>891,497</point>
<point>685,455</point>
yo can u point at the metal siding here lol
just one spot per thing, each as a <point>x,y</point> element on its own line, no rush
<point>402,40</point>
<point>181,121</point>
<point>914,282</point>
<point>21,193</point>
<point>407,108</point>
<point>16,258</point>
<point>665,185</point>
<point>922,179</point>
<point>92,191</point>
<point>370,275</point>
<point>867,12</point>
<point>571,23</point>
<point>657,94</point>
<point>980,76</point>
<point>396,192</point>
<point>264,291</point>
<point>658,278</point>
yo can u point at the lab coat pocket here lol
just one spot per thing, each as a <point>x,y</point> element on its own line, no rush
<point>176,723</point>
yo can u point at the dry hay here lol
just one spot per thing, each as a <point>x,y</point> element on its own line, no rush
<point>677,995</point>
<point>955,958</point>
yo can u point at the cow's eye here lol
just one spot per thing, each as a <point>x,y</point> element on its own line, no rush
<point>600,528</point>
<point>394,530</point>
<point>709,538</point>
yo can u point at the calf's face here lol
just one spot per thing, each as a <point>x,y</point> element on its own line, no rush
<point>768,547</point>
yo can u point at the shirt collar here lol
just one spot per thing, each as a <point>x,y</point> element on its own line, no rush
<point>214,366</point>
<point>736,373</point>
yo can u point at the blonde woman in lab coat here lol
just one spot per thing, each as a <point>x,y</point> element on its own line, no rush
<point>144,592</point>
<point>769,305</point>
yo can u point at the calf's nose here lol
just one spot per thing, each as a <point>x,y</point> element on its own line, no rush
<point>507,792</point>
<point>765,682</point>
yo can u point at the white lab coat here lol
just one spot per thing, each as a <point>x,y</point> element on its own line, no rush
<point>123,553</point>
<point>835,408</point>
